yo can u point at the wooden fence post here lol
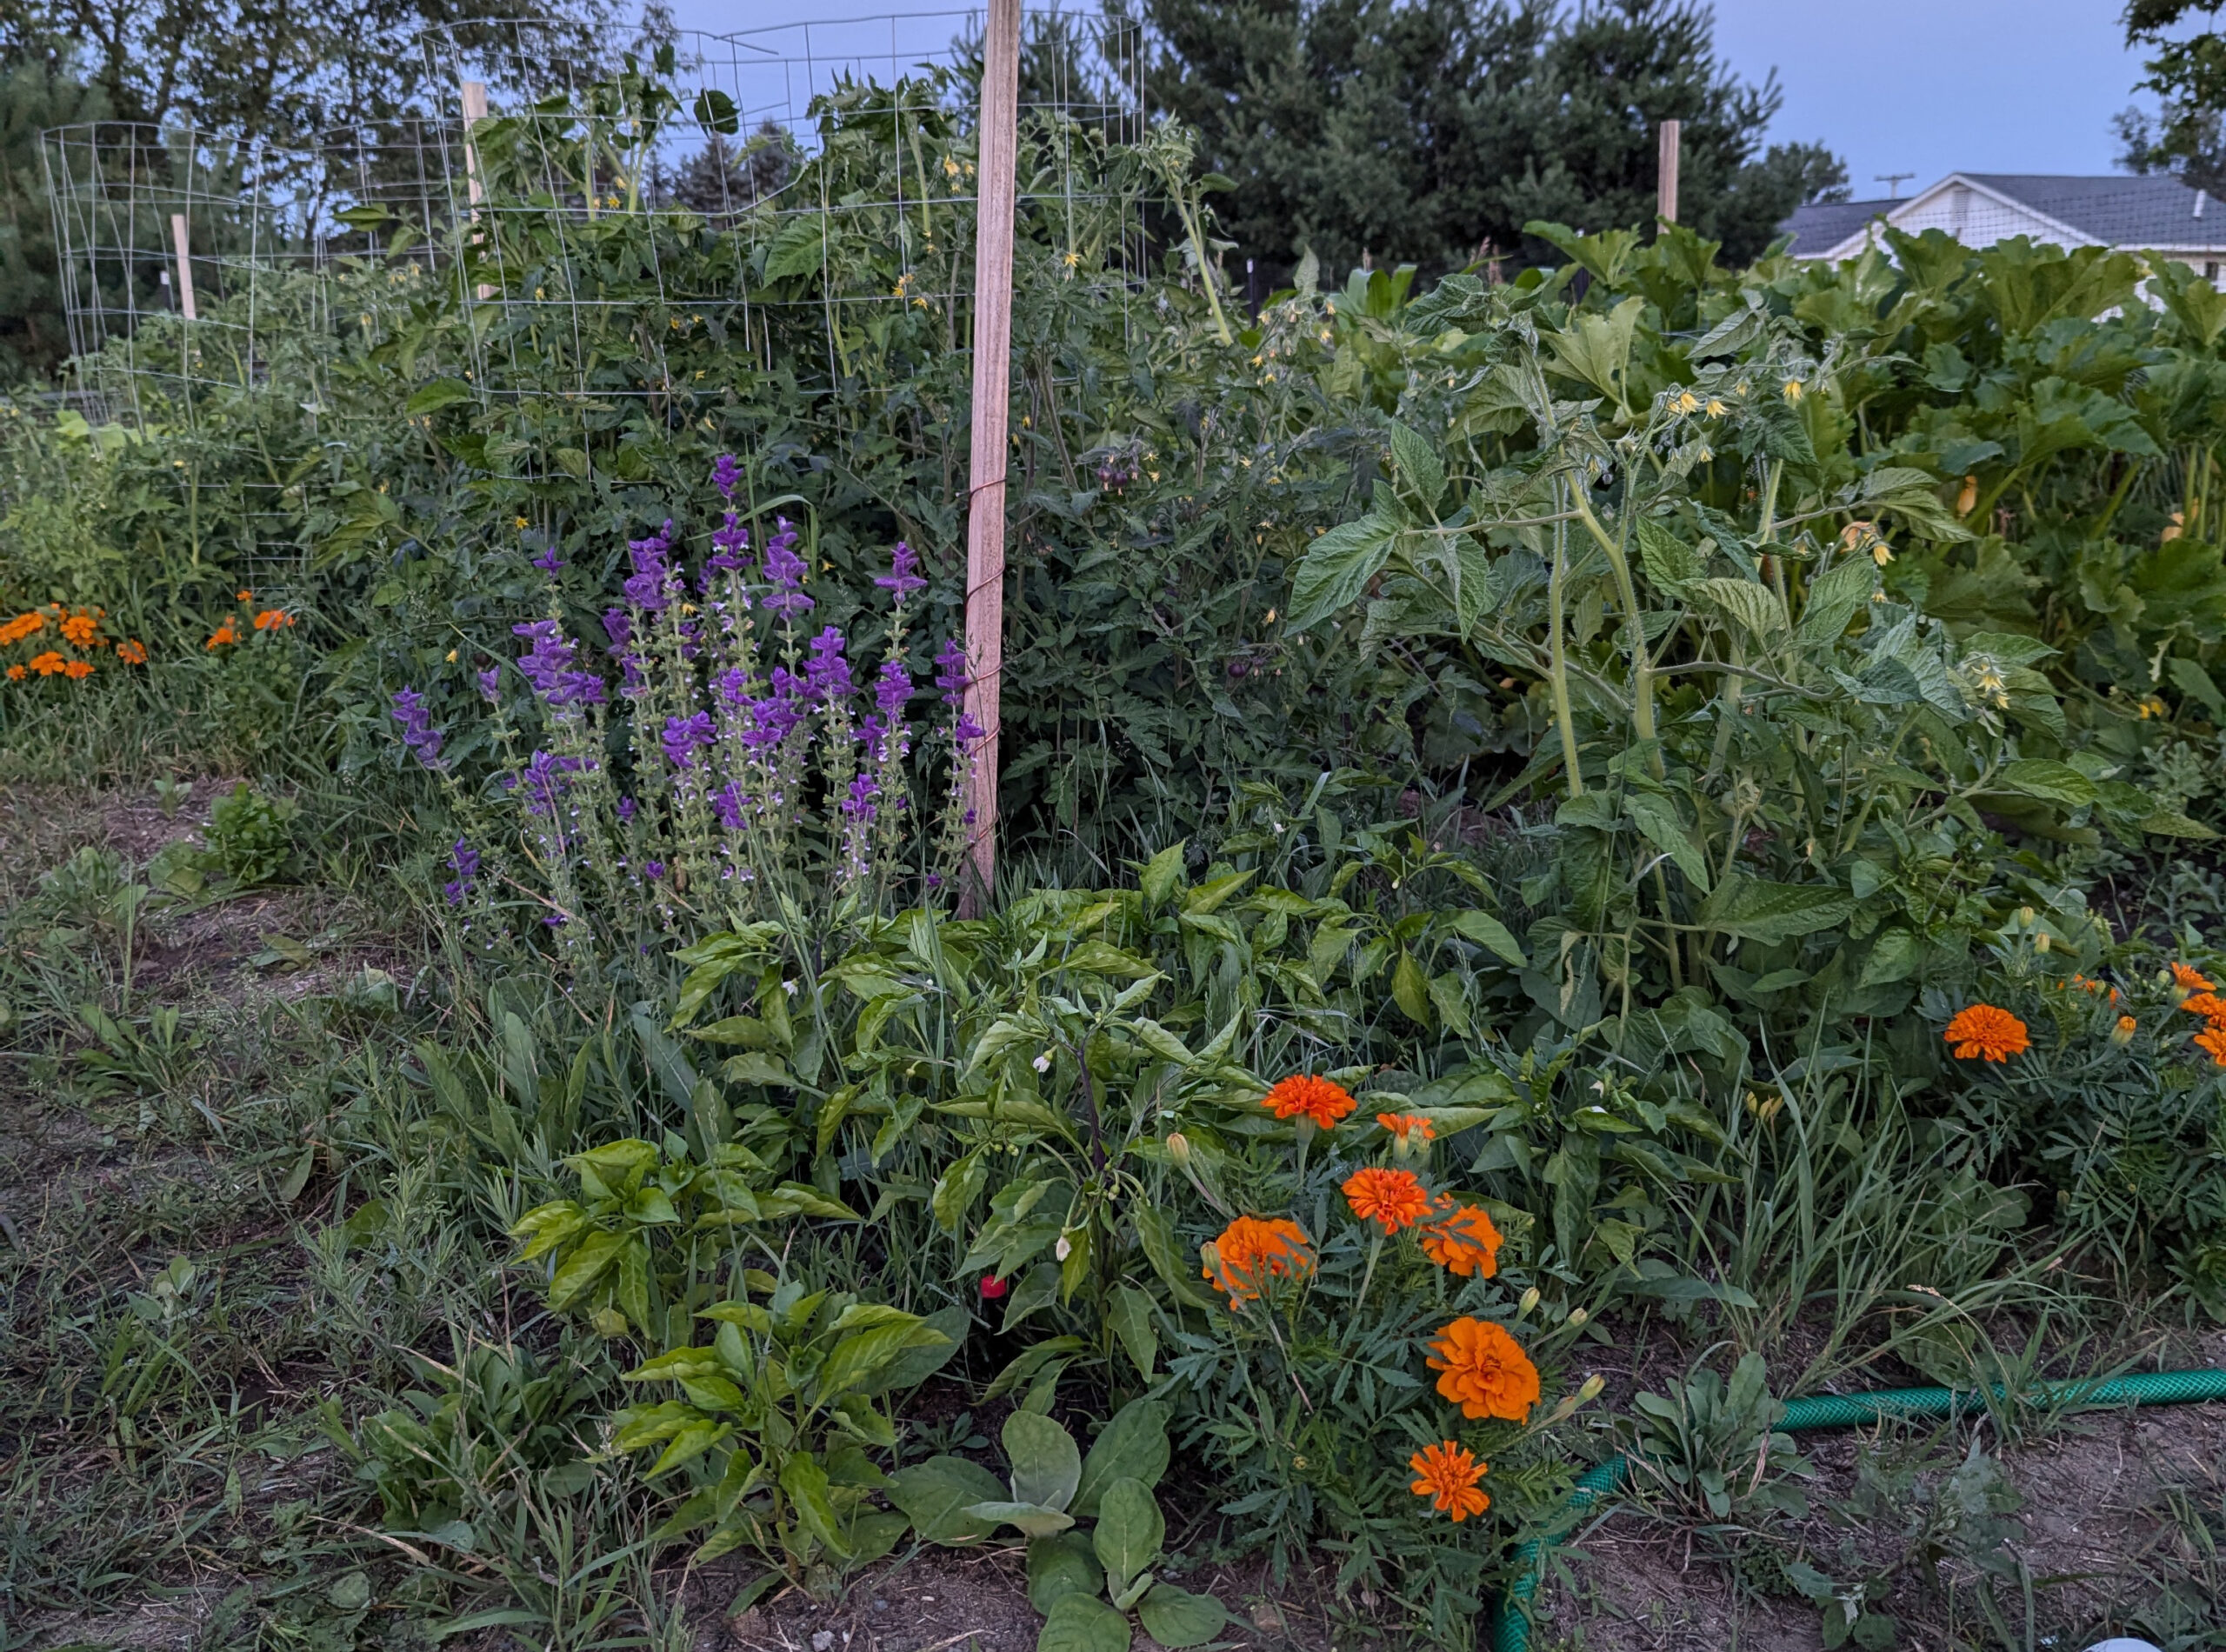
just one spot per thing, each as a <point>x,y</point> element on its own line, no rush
<point>1665,189</point>
<point>995,193</point>
<point>474,94</point>
<point>179,241</point>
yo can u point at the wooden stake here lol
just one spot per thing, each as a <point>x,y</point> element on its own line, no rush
<point>475,111</point>
<point>1665,189</point>
<point>184,267</point>
<point>996,192</point>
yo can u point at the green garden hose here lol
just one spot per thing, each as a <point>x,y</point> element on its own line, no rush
<point>1848,1411</point>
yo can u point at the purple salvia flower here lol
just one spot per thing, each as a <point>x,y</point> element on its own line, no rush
<point>893,687</point>
<point>967,729</point>
<point>733,688</point>
<point>827,671</point>
<point>548,562</point>
<point>726,475</point>
<point>728,544</point>
<point>546,782</point>
<point>491,684</point>
<point>859,805</point>
<point>903,578</point>
<point>784,571</point>
<point>685,736</point>
<point>653,869</point>
<point>417,731</point>
<point>728,803</point>
<point>464,860</point>
<point>626,806</point>
<point>617,627</point>
<point>951,672</point>
<point>646,587</point>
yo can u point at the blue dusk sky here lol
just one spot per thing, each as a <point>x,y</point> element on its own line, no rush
<point>1922,86</point>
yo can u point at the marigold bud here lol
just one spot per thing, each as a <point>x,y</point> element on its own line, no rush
<point>1592,1388</point>
<point>1576,1318</point>
<point>1209,1254</point>
<point>1530,1301</point>
<point>1179,1148</point>
<point>2122,1033</point>
<point>2041,942</point>
<point>2025,915</point>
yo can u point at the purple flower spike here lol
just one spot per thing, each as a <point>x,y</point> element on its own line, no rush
<point>968,731</point>
<point>728,802</point>
<point>951,672</point>
<point>903,578</point>
<point>893,687</point>
<point>859,805</point>
<point>726,475</point>
<point>617,627</point>
<point>491,684</point>
<point>784,571</point>
<point>464,860</point>
<point>646,587</point>
<point>548,562</point>
<point>546,780</point>
<point>728,544</point>
<point>417,731</point>
<point>653,869</point>
<point>626,806</point>
<point>827,670</point>
<point>685,736</point>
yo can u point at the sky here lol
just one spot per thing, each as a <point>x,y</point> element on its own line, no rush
<point>1924,86</point>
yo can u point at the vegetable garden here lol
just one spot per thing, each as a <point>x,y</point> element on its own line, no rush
<point>1582,857</point>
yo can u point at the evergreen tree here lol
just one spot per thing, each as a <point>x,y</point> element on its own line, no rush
<point>1430,131</point>
<point>33,96</point>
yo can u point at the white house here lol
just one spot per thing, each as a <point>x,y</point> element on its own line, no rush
<point>2154,213</point>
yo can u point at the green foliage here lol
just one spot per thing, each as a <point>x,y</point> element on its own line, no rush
<point>250,837</point>
<point>1712,1442</point>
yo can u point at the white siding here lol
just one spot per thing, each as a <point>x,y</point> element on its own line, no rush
<point>1974,219</point>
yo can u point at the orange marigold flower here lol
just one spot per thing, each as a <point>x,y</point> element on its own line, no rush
<point>22,626</point>
<point>1391,1199</point>
<point>47,663</point>
<point>15,673</point>
<point>2209,1005</point>
<point>2212,1041</point>
<point>1461,1239</point>
<point>223,637</point>
<point>1407,1129</point>
<point>2189,979</point>
<point>132,653</point>
<point>78,668</point>
<point>1322,1100</point>
<point>2122,1033</point>
<point>272,618</point>
<point>1251,1251</point>
<point>80,628</point>
<point>1447,1475</point>
<point>1485,1371</point>
<point>1982,1031</point>
<point>245,597</point>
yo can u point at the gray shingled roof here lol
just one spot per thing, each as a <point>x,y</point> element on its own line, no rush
<point>2118,211</point>
<point>2156,210</point>
<point>1820,228</point>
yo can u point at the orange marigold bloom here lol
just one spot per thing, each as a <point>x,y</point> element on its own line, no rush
<point>1251,1251</point>
<point>1447,1475</point>
<point>2189,979</point>
<point>80,628</point>
<point>1322,1100</point>
<point>1408,1128</point>
<point>2209,1005</point>
<point>1391,1199</point>
<point>2122,1033</point>
<point>272,618</point>
<point>47,663</point>
<point>1982,1031</point>
<point>78,668</point>
<point>1461,1239</point>
<point>132,653</point>
<point>223,637</point>
<point>22,626</point>
<point>2212,1041</point>
<point>1485,1371</point>
<point>15,673</point>
<point>245,597</point>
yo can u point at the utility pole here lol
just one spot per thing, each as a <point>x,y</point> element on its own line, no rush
<point>997,203</point>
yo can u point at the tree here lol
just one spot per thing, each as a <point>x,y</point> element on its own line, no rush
<point>33,96</point>
<point>2189,75</point>
<point>276,68</point>
<point>1428,132</point>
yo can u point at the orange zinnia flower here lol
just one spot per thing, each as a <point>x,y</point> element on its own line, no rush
<point>2187,979</point>
<point>1391,1199</point>
<point>47,663</point>
<point>1320,1099</point>
<point>1409,1131</point>
<point>1461,1239</point>
<point>1252,1250</point>
<point>1485,1371</point>
<point>78,668</point>
<point>225,635</point>
<point>2212,1041</point>
<point>272,618</point>
<point>132,653</point>
<point>1984,1031</point>
<point>1447,1475</point>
